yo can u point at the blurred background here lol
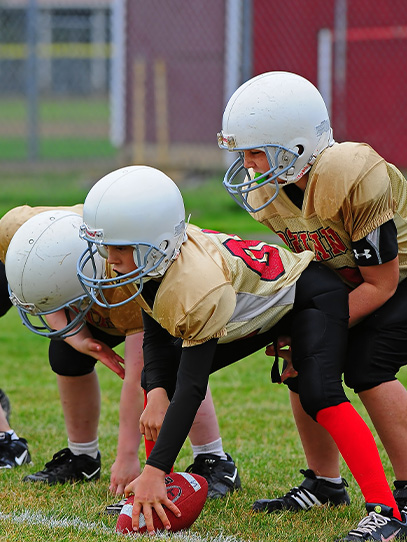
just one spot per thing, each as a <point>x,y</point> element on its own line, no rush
<point>100,84</point>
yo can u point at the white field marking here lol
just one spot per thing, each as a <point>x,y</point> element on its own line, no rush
<point>37,518</point>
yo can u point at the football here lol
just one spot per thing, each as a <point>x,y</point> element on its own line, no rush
<point>188,491</point>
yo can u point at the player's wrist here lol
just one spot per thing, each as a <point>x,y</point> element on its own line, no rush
<point>154,471</point>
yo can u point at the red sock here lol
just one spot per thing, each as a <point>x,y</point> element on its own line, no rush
<point>358,448</point>
<point>148,445</point>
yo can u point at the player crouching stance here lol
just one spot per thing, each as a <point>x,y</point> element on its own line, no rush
<point>208,300</point>
<point>42,247</point>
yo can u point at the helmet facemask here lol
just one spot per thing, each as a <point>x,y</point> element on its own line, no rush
<point>138,207</point>
<point>35,319</point>
<point>40,267</point>
<point>150,261</point>
<point>240,183</point>
<point>96,288</point>
<point>283,115</point>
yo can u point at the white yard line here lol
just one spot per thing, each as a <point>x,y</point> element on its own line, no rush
<point>37,518</point>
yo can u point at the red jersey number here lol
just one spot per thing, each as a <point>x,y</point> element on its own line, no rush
<point>261,258</point>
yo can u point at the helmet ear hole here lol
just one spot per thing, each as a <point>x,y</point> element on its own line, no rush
<point>300,149</point>
<point>102,251</point>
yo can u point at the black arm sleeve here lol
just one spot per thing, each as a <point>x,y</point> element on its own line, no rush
<point>161,357</point>
<point>380,246</point>
<point>191,384</point>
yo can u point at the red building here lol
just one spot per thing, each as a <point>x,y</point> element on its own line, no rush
<point>184,59</point>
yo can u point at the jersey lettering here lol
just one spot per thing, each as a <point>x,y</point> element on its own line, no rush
<point>319,249</point>
<point>334,241</point>
<point>325,243</point>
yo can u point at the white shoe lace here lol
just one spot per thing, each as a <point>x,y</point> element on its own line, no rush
<point>369,524</point>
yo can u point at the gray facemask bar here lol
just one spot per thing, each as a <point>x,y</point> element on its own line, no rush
<point>241,190</point>
<point>95,287</point>
<point>80,307</point>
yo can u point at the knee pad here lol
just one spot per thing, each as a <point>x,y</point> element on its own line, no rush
<point>320,288</point>
<point>319,349</point>
<point>66,361</point>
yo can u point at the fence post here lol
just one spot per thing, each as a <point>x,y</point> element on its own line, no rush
<point>32,80</point>
<point>340,36</point>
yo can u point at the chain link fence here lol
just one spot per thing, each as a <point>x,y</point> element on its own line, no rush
<point>55,60</point>
<point>130,81</point>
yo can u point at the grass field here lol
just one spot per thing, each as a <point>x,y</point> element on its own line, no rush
<point>256,425</point>
<point>66,129</point>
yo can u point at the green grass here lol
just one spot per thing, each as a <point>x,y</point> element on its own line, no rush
<point>58,148</point>
<point>254,415</point>
<point>51,109</point>
<point>57,188</point>
<point>68,129</point>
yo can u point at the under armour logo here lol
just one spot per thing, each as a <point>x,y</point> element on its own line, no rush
<point>365,254</point>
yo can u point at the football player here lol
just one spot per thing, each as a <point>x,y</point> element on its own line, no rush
<point>42,248</point>
<point>14,450</point>
<point>347,205</point>
<point>222,298</point>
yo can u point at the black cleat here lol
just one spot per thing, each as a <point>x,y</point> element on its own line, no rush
<point>221,474</point>
<point>378,525</point>
<point>400,494</point>
<point>67,467</point>
<point>13,453</point>
<point>5,404</point>
<point>312,492</point>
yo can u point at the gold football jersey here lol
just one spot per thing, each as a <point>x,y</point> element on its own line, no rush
<point>16,217</point>
<point>351,191</point>
<point>123,320</point>
<point>225,287</point>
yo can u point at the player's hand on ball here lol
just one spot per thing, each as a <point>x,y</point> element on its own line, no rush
<point>188,490</point>
<point>150,493</point>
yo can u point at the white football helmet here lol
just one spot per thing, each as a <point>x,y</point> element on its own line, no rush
<point>41,272</point>
<point>136,206</point>
<point>281,114</point>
